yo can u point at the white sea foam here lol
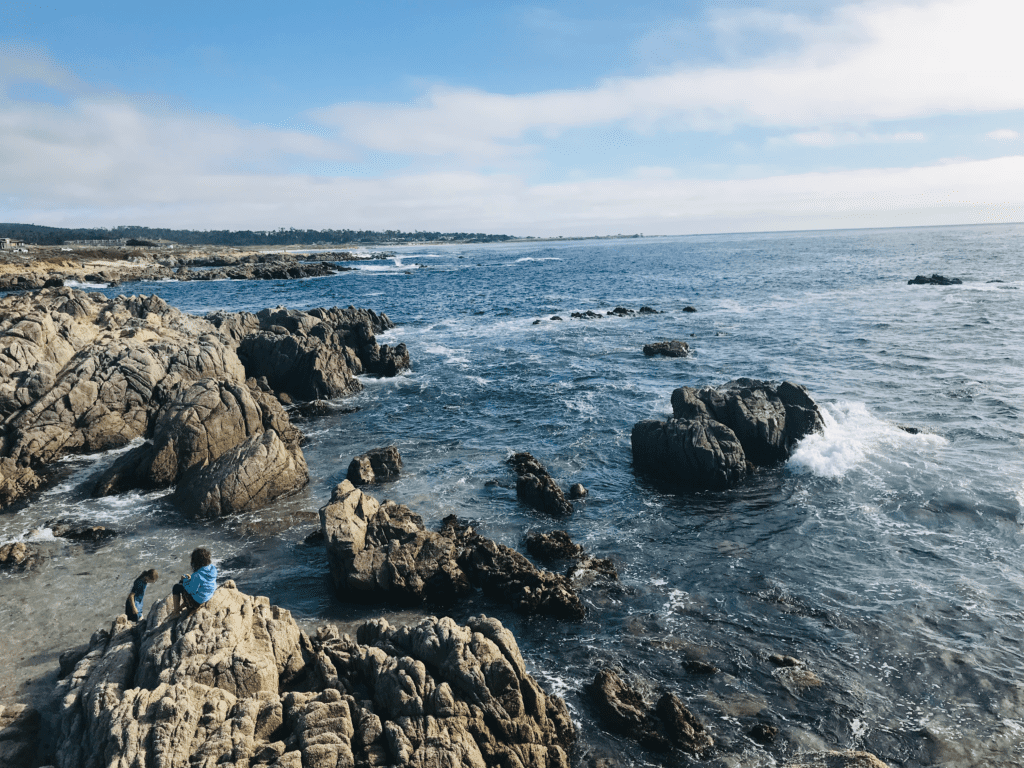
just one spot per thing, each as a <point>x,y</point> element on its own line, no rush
<point>851,437</point>
<point>537,258</point>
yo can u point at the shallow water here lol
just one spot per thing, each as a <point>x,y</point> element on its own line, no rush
<point>889,562</point>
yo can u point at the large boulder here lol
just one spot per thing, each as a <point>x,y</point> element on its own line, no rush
<point>382,552</point>
<point>315,354</point>
<point>237,684</point>
<point>203,423</point>
<point>718,435</point>
<point>251,475</point>
<point>674,348</point>
<point>375,466</point>
<point>19,735</point>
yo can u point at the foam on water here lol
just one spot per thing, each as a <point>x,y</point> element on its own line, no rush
<point>852,436</point>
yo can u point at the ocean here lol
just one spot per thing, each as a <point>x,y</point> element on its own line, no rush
<point>888,561</point>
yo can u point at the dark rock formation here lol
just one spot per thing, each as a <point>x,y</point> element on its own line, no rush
<point>672,348</point>
<point>844,759</point>
<point>649,311</point>
<point>74,530</point>
<point>18,556</point>
<point>278,270</point>
<point>375,466</point>
<point>621,312</point>
<point>577,491</point>
<point>382,552</point>
<point>764,733</point>
<point>19,736</point>
<point>935,279</point>
<point>716,436</point>
<point>316,354</point>
<point>536,488</point>
<point>237,683</point>
<point>588,315</point>
<point>552,547</point>
<point>668,725</point>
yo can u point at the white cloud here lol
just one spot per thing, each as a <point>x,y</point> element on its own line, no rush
<point>827,139</point>
<point>1003,134</point>
<point>871,62</point>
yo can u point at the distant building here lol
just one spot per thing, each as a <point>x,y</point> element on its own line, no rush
<point>7,244</point>
<point>118,241</point>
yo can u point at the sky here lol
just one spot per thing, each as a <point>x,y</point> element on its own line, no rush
<point>564,118</point>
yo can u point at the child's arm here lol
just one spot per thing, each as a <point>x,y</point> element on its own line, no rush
<point>134,614</point>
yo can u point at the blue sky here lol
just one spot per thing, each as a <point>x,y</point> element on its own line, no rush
<point>527,119</point>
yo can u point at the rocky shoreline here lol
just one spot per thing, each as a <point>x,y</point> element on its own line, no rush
<point>204,404</point>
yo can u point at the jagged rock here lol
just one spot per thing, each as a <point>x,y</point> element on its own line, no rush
<point>621,312</point>
<point>672,348</point>
<point>536,487</point>
<point>552,547</point>
<point>645,310</point>
<point>77,531</point>
<point>19,735</point>
<point>588,315</point>
<point>622,710</point>
<point>717,436</point>
<point>935,279</point>
<point>845,759</point>
<point>382,552</point>
<point>375,466</point>
<point>577,491</point>
<point>18,555</point>
<point>237,684</point>
<point>249,476</point>
<point>199,426</point>
<point>764,733</point>
<point>316,354</point>
<point>82,373</point>
<point>689,309</point>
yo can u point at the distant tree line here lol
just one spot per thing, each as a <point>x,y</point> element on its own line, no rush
<point>39,235</point>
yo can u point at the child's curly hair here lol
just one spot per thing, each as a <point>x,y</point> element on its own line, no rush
<point>200,557</point>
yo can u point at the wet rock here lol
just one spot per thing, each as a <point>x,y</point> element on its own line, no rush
<point>19,735</point>
<point>621,312</point>
<point>763,733</point>
<point>77,531</point>
<point>689,309</point>
<point>718,435</point>
<point>203,423</point>
<point>846,759</point>
<point>536,488</point>
<point>588,315</point>
<point>251,475</point>
<point>672,348</point>
<point>779,660</point>
<point>237,683</point>
<point>697,667</point>
<point>552,547</point>
<point>556,318</point>
<point>16,482</point>
<point>382,552</point>
<point>649,311</point>
<point>577,491</point>
<point>670,724</point>
<point>375,466</point>
<point>935,279</point>
<point>316,354</point>
<point>19,556</point>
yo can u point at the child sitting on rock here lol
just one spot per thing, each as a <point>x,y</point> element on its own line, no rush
<point>133,605</point>
<point>196,589</point>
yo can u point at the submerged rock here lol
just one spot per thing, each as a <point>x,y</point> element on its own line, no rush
<point>375,466</point>
<point>935,279</point>
<point>237,683</point>
<point>845,759</point>
<point>672,348</point>
<point>18,555</point>
<point>719,435</point>
<point>668,725</point>
<point>381,551</point>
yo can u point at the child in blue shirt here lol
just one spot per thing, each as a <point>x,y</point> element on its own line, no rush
<point>196,589</point>
<point>133,605</point>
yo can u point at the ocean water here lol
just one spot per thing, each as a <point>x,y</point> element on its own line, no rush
<point>889,563</point>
